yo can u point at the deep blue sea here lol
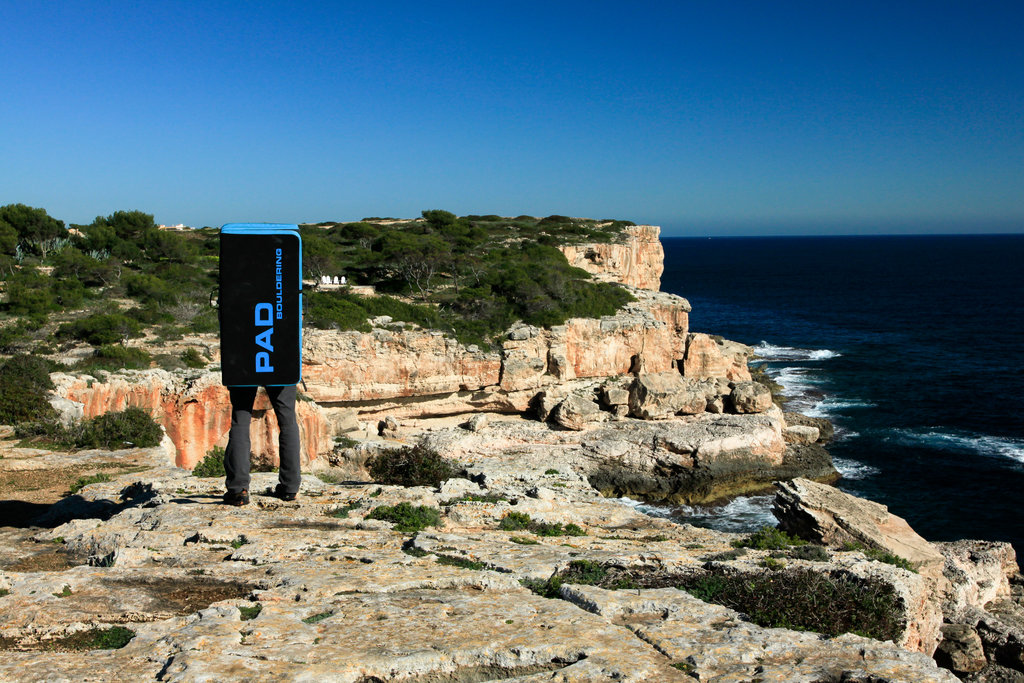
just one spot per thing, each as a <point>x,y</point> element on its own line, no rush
<point>912,345</point>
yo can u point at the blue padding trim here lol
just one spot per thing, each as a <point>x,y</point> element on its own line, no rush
<point>258,228</point>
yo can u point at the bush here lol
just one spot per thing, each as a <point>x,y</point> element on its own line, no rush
<point>24,385</point>
<point>515,521</point>
<point>111,431</point>
<point>100,329</point>
<point>114,357</point>
<point>880,555</point>
<point>804,599</point>
<point>814,553</point>
<point>193,359</point>
<point>768,538</point>
<point>212,465</point>
<point>406,517</point>
<point>410,466</point>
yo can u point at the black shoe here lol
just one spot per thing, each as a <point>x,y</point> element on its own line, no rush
<point>279,492</point>
<point>237,498</point>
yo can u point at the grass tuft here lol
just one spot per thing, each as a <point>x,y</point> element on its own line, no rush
<point>405,517</point>
<point>249,613</point>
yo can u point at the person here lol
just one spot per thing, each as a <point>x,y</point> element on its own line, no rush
<point>236,456</point>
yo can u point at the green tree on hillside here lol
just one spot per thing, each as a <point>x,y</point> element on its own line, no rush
<point>31,224</point>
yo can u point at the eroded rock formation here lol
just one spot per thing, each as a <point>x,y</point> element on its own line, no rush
<point>639,260</point>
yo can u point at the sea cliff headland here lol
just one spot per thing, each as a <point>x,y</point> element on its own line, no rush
<point>519,566</point>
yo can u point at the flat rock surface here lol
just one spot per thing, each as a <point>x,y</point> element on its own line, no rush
<point>316,590</point>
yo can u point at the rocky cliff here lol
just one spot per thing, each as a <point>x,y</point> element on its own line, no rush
<point>638,261</point>
<point>323,588</point>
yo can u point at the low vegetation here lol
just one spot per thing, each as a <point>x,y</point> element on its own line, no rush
<point>516,521</point>
<point>768,538</point>
<point>82,482</point>
<point>121,277</point>
<point>410,466</point>
<point>880,555</point>
<point>129,428</point>
<point>406,517</point>
<point>804,599</point>
<point>212,465</point>
<point>800,599</point>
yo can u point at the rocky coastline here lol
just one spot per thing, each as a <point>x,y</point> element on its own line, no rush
<point>554,426</point>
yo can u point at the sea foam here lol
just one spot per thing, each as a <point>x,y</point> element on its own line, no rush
<point>961,441</point>
<point>772,352</point>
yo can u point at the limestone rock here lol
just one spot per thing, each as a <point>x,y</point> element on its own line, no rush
<point>477,422</point>
<point>388,428</point>
<point>800,434</point>
<point>961,650</point>
<point>978,572</point>
<point>826,515</point>
<point>825,429</point>
<point>194,409</point>
<point>715,643</point>
<point>577,412</point>
<point>712,357</point>
<point>750,397</point>
<point>637,261</point>
<point>663,394</point>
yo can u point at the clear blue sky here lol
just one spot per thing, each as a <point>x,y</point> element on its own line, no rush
<point>705,118</point>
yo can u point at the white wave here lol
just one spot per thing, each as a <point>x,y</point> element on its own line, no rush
<point>741,514</point>
<point>981,444</point>
<point>832,405</point>
<point>647,508</point>
<point>851,469</point>
<point>796,381</point>
<point>771,352</point>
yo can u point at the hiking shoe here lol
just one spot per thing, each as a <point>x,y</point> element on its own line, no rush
<point>237,498</point>
<point>279,492</point>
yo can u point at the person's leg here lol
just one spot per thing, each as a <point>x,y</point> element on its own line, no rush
<point>236,456</point>
<point>283,400</point>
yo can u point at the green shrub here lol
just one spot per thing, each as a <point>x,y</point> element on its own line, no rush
<point>24,386</point>
<point>805,600</point>
<point>111,431</point>
<point>212,465</point>
<point>728,555</point>
<point>82,482</point>
<point>461,562</point>
<point>193,359</point>
<point>514,521</point>
<point>100,328</point>
<point>768,538</point>
<point>112,638</point>
<point>342,512</point>
<point>114,357</point>
<point>880,555</point>
<point>772,564</point>
<point>30,294</point>
<point>521,540</point>
<point>405,517</point>
<point>814,553</point>
<point>317,617</point>
<point>249,613</point>
<point>410,466</point>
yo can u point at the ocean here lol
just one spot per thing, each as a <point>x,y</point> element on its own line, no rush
<point>912,345</point>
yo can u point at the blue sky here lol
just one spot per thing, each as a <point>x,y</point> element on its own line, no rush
<point>705,118</point>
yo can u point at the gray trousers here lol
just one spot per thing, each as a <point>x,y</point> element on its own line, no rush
<point>236,457</point>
